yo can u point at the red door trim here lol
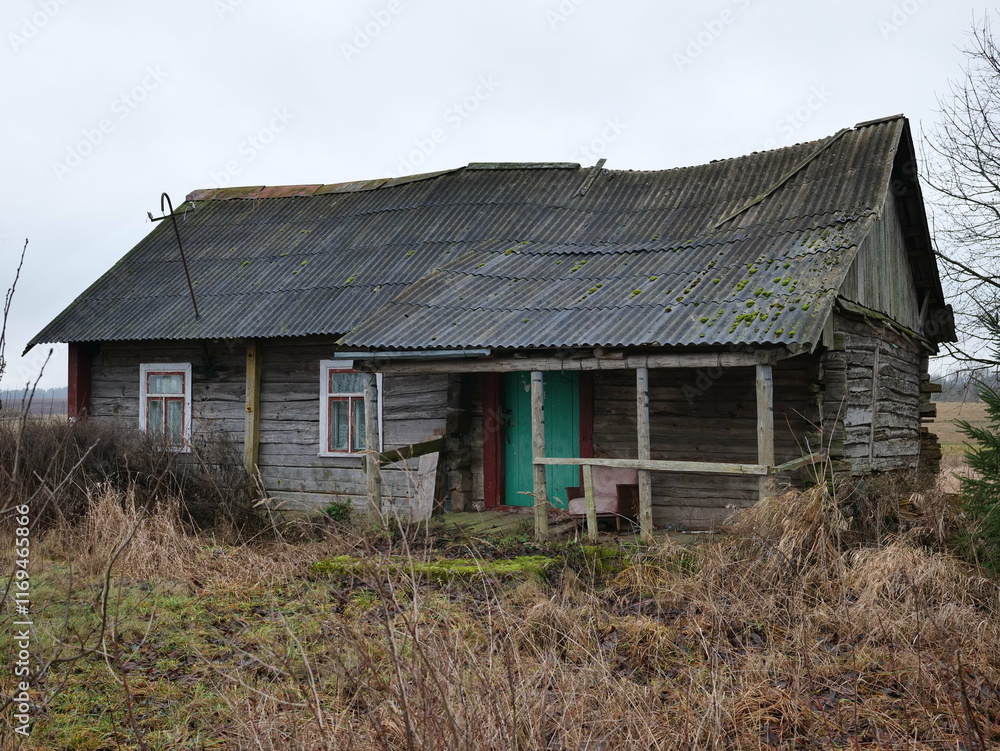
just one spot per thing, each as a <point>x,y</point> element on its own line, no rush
<point>493,440</point>
<point>78,391</point>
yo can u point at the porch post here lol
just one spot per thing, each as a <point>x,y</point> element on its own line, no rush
<point>538,451</point>
<point>765,428</point>
<point>251,430</point>
<point>372,472</point>
<point>588,494</point>
<point>642,431</point>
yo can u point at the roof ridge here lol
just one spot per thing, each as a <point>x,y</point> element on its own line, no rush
<point>357,186</point>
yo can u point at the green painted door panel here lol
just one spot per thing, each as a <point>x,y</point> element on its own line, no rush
<point>562,436</point>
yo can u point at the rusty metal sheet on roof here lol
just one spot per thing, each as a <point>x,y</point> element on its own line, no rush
<point>510,255</point>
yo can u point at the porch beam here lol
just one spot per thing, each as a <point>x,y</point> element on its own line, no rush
<point>765,428</point>
<point>251,429</point>
<point>658,465</point>
<point>372,456</point>
<point>538,452</point>
<point>628,362</point>
<point>642,433</point>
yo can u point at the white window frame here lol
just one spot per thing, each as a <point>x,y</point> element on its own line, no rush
<point>325,366</point>
<point>167,367</point>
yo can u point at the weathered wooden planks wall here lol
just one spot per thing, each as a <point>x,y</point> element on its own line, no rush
<point>880,277</point>
<point>705,416</point>
<point>415,408</point>
<point>874,379</point>
<point>218,379</point>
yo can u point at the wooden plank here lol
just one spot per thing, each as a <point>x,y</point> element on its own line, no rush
<point>630,362</point>
<point>658,465</point>
<point>433,446</point>
<point>642,436</point>
<point>765,428</point>
<point>423,496</point>
<point>804,461</point>
<point>538,452</point>
<point>588,494</point>
<point>374,479</point>
<point>251,427</point>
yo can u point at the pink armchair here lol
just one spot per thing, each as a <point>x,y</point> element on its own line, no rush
<point>616,495</point>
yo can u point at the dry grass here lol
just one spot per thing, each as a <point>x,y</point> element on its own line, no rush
<point>785,633</point>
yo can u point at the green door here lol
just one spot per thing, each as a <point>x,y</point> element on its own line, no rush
<point>562,436</point>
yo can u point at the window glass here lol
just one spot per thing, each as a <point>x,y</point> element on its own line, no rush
<point>347,383</point>
<point>359,425</point>
<point>175,422</point>
<point>154,417</point>
<point>166,383</point>
<point>340,421</point>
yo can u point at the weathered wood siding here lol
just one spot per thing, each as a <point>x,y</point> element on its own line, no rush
<point>705,415</point>
<point>415,408</point>
<point>871,406</point>
<point>218,383</point>
<point>880,277</point>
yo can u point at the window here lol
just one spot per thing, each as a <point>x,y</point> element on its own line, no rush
<point>165,403</point>
<point>342,408</point>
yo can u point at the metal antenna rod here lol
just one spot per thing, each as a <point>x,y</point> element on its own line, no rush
<point>177,232</point>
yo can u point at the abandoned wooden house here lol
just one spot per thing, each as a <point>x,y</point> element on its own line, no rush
<point>713,329</point>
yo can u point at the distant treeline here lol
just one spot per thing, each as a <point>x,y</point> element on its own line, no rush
<point>43,401</point>
<point>964,386</point>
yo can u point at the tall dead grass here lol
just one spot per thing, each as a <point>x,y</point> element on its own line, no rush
<point>789,631</point>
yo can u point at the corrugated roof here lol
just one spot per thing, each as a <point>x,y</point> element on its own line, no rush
<point>509,255</point>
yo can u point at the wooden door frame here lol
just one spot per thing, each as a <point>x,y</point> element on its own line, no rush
<point>493,433</point>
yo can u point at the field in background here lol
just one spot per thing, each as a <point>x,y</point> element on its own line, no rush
<point>952,441</point>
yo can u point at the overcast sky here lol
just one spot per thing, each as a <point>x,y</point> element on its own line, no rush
<point>108,104</point>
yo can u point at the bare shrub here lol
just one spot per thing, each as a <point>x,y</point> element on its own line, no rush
<point>58,464</point>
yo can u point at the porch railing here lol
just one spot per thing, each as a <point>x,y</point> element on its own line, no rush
<point>659,465</point>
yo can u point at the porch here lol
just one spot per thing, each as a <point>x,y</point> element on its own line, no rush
<point>762,473</point>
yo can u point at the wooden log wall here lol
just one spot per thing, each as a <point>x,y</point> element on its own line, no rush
<point>415,408</point>
<point>218,383</point>
<point>873,376</point>
<point>706,415</point>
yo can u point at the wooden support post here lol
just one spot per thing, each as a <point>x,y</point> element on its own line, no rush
<point>538,450</point>
<point>374,476</point>
<point>251,430</point>
<point>642,431</point>
<point>765,428</point>
<point>588,494</point>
